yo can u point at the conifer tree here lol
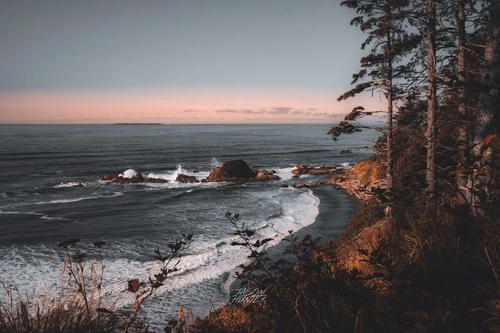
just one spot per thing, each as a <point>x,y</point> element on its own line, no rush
<point>390,42</point>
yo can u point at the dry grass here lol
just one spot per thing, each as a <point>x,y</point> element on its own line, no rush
<point>51,315</point>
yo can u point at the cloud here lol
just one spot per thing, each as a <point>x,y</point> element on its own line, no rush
<point>192,111</point>
<point>276,110</point>
<point>242,111</point>
<point>280,110</point>
<point>325,115</point>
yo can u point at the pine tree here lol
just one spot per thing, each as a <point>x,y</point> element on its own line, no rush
<point>390,42</point>
<point>487,124</point>
<point>430,133</point>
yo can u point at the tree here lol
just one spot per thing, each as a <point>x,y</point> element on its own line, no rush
<point>487,123</point>
<point>390,42</point>
<point>430,133</point>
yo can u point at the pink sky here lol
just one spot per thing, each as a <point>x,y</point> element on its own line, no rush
<point>193,105</point>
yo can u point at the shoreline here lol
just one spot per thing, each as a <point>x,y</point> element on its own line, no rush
<point>336,209</point>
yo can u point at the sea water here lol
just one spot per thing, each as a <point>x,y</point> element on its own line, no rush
<point>51,189</point>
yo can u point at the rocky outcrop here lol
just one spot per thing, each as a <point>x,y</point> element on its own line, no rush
<point>239,171</point>
<point>303,185</point>
<point>108,176</point>
<point>264,175</point>
<point>156,181</point>
<point>186,179</point>
<point>366,171</point>
<point>130,176</point>
<point>364,180</point>
<point>229,171</point>
<point>323,170</point>
<point>301,169</point>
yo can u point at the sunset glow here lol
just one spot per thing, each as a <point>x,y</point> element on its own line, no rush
<point>178,106</point>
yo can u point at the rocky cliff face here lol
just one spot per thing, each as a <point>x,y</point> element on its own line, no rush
<point>364,180</point>
<point>366,171</point>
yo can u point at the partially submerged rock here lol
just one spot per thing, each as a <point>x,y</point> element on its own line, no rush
<point>156,180</point>
<point>130,176</point>
<point>186,179</point>
<point>108,176</point>
<point>300,169</point>
<point>264,175</point>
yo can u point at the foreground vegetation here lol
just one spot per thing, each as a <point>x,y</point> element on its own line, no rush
<point>423,253</point>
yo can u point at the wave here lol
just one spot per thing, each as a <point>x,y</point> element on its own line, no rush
<point>64,201</point>
<point>210,257</point>
<point>70,185</point>
<point>42,216</point>
<point>214,257</point>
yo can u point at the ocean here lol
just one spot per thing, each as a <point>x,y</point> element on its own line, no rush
<point>51,189</point>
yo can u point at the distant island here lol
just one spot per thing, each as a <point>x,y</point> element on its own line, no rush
<point>135,124</point>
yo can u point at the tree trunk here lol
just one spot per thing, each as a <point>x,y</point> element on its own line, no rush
<point>430,133</point>
<point>463,128</point>
<point>390,114</point>
<point>488,117</point>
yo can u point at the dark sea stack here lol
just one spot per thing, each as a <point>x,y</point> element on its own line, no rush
<point>235,170</point>
<point>186,179</point>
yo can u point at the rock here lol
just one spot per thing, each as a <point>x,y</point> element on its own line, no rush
<point>367,171</point>
<point>264,175</point>
<point>323,170</point>
<point>235,170</point>
<point>285,186</point>
<point>346,152</point>
<point>109,176</point>
<point>186,179</point>
<point>204,180</point>
<point>302,185</point>
<point>129,176</point>
<point>156,180</point>
<point>300,169</point>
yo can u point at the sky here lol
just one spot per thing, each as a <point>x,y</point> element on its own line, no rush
<point>177,61</point>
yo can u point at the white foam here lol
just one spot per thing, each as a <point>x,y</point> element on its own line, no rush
<point>209,257</point>
<point>130,173</point>
<point>214,162</point>
<point>172,176</point>
<point>284,173</point>
<point>346,165</point>
<point>69,184</point>
<point>218,256</point>
<point>63,201</point>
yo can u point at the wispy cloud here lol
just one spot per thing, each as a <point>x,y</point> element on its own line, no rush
<point>193,111</point>
<point>325,115</point>
<point>275,110</point>
<point>242,111</point>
